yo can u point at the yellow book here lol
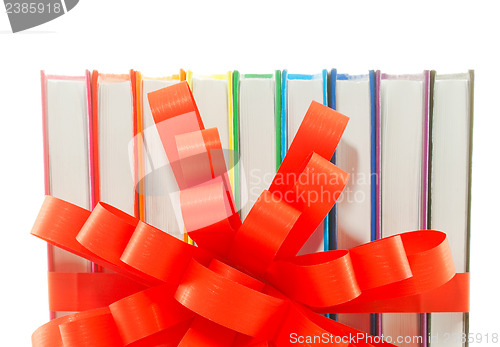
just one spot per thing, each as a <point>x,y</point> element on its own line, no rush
<point>214,97</point>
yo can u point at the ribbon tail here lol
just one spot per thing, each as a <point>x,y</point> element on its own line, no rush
<point>453,296</point>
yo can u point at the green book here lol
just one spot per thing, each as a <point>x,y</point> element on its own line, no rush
<point>257,135</point>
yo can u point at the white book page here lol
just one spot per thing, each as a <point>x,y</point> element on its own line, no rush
<point>115,131</point>
<point>68,157</point>
<point>300,95</point>
<point>161,193</point>
<point>449,187</point>
<point>67,119</point>
<point>402,119</point>
<point>211,96</point>
<point>68,154</point>
<point>353,156</point>
<point>257,123</point>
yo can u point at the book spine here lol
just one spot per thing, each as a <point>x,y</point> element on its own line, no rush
<point>374,318</point>
<point>45,133</point>
<point>139,138</point>
<point>378,164</point>
<point>332,216</point>
<point>233,168</point>
<point>236,137</point>
<point>95,138</point>
<point>425,182</point>
<point>432,78</point>
<point>88,78</point>
<point>95,195</point>
<point>183,77</point>
<point>373,154</point>
<point>50,253</point>
<point>324,76</point>
<point>88,81</point>
<point>135,153</point>
<point>284,120</point>
<point>469,191</point>
<point>277,115</point>
<point>326,222</point>
<point>425,153</point>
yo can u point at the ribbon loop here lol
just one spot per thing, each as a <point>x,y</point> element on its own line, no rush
<point>380,262</point>
<point>107,232</point>
<point>160,255</point>
<point>96,329</point>
<point>148,312</point>
<point>314,193</point>
<point>262,234</point>
<point>317,279</point>
<point>319,133</point>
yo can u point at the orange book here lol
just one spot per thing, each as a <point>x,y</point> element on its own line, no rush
<point>113,147</point>
<point>157,190</point>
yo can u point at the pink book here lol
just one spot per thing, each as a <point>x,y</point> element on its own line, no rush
<point>402,152</point>
<point>67,136</point>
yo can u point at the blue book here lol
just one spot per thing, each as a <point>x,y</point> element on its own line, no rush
<point>352,221</point>
<point>298,91</point>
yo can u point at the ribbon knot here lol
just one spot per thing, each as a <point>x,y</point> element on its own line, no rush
<point>242,285</point>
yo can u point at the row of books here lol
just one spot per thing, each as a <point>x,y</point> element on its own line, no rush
<point>407,148</point>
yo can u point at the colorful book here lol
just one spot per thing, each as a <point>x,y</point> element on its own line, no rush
<point>354,214</point>
<point>403,121</point>
<point>298,91</point>
<point>257,126</point>
<point>450,183</point>
<point>114,152</point>
<point>67,140</point>
<point>159,203</point>
<point>213,96</point>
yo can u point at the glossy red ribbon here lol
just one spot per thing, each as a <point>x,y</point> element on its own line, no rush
<point>243,285</point>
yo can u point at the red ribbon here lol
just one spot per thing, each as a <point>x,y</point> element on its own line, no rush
<point>243,285</point>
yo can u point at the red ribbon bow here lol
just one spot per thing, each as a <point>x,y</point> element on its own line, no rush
<point>243,285</point>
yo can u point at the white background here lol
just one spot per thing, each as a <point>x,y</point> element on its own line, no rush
<point>159,37</point>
